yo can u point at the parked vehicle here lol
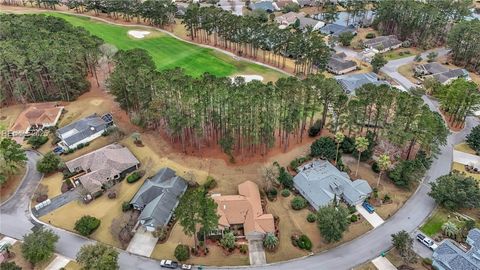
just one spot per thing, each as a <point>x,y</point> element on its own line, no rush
<point>186,266</point>
<point>426,241</point>
<point>370,209</point>
<point>169,264</point>
<point>58,150</point>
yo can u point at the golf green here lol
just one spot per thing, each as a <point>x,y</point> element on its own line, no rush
<point>169,52</point>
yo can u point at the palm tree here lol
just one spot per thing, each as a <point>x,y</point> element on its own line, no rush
<point>450,229</point>
<point>383,163</point>
<point>270,241</point>
<point>361,144</point>
<point>339,137</point>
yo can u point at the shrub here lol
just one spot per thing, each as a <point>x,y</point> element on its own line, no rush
<point>270,242</point>
<point>80,146</point>
<point>353,218</point>
<point>348,145</point>
<point>285,193</point>
<point>228,240</point>
<point>418,58</point>
<point>160,233</point>
<point>345,38</point>
<point>352,209</point>
<point>375,167</point>
<point>86,225</point>
<point>285,178</point>
<point>134,177</point>
<point>427,261</point>
<point>473,139</point>
<point>49,163</point>
<point>126,206</point>
<point>9,266</point>
<point>370,35</point>
<point>211,183</point>
<point>386,198</point>
<point>37,141</point>
<point>324,148</point>
<point>294,164</point>
<point>182,253</point>
<point>406,44</point>
<point>272,194</point>
<point>243,249</point>
<point>311,217</point>
<point>315,128</point>
<point>304,242</point>
<point>298,203</point>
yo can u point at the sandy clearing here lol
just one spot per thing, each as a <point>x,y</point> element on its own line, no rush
<point>248,78</point>
<point>138,34</point>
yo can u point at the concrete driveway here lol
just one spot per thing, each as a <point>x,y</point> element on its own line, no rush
<point>255,249</point>
<point>57,202</point>
<point>142,242</point>
<point>383,263</point>
<point>374,219</point>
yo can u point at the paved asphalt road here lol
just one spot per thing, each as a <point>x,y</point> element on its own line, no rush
<point>15,220</point>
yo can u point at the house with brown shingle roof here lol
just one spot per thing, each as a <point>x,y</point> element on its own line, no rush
<point>243,211</point>
<point>36,117</point>
<point>102,168</point>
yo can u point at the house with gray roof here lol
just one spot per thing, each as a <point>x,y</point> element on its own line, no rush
<point>158,197</point>
<point>320,183</point>
<point>383,43</point>
<point>84,130</point>
<point>100,169</point>
<point>442,74</point>
<point>338,64</point>
<point>306,23</point>
<point>333,29</point>
<point>450,256</point>
<point>350,83</point>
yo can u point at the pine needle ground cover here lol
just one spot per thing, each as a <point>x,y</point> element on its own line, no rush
<point>169,52</point>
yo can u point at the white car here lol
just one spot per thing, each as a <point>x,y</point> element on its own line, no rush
<point>186,266</point>
<point>427,241</point>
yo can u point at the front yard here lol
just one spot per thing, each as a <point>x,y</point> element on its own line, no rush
<point>398,195</point>
<point>104,208</point>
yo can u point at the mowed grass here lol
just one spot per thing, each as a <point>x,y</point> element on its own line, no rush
<point>169,52</point>
<point>435,222</point>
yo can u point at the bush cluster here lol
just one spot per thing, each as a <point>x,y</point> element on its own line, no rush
<point>182,253</point>
<point>298,203</point>
<point>86,225</point>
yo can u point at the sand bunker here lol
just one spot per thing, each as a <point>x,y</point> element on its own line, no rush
<point>249,78</point>
<point>138,34</point>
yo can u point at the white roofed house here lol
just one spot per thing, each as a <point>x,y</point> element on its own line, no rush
<point>84,130</point>
<point>320,183</point>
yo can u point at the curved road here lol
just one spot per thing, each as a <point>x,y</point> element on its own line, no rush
<point>15,218</point>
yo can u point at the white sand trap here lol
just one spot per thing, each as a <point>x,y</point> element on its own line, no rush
<point>249,78</point>
<point>138,34</point>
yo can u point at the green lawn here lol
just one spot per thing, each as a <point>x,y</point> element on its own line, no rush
<point>435,222</point>
<point>397,54</point>
<point>169,52</point>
